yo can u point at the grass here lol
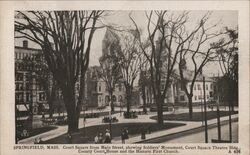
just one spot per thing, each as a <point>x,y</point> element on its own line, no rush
<point>133,129</point>
<point>38,131</point>
<point>197,116</point>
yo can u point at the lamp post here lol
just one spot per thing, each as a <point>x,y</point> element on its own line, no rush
<point>205,110</point>
<point>110,118</point>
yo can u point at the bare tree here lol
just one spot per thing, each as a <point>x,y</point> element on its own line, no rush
<point>144,82</point>
<point>197,51</point>
<point>161,50</point>
<point>130,60</point>
<point>227,57</point>
<point>110,70</point>
<point>65,38</point>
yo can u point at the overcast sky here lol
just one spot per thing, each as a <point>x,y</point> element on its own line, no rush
<point>121,18</point>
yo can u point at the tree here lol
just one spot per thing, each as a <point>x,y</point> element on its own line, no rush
<point>144,82</point>
<point>65,38</point>
<point>197,53</point>
<point>110,70</point>
<point>161,49</point>
<point>227,57</point>
<point>130,60</point>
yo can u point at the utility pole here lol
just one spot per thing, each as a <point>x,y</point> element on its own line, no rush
<point>205,110</point>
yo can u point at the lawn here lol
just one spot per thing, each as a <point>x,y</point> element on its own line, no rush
<point>197,116</point>
<point>133,129</point>
<point>38,131</point>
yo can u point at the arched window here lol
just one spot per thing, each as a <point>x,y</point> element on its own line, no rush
<point>120,98</point>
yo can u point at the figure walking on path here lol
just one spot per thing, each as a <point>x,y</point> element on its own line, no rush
<point>107,137</point>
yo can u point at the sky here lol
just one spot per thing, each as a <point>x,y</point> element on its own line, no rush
<point>121,19</point>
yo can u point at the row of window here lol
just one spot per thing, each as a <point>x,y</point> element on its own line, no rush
<point>100,88</point>
<point>199,97</point>
<point>20,87</point>
<point>20,56</point>
<point>27,98</point>
<point>198,87</point>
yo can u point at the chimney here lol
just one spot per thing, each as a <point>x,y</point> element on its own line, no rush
<point>25,43</point>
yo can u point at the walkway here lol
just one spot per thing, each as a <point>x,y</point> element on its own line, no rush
<point>136,138</point>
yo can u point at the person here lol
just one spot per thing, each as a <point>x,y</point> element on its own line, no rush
<point>40,141</point>
<point>107,137</point>
<point>100,138</point>
<point>36,141</point>
<point>126,133</point>
<point>96,139</point>
<point>69,136</point>
<point>123,137</point>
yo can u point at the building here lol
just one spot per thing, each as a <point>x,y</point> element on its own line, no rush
<point>97,93</point>
<point>176,95</point>
<point>28,92</point>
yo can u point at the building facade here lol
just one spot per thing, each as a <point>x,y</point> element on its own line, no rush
<point>97,94</point>
<point>176,95</point>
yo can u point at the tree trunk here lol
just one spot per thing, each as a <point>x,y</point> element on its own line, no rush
<point>159,101</point>
<point>190,106</point>
<point>144,99</point>
<point>111,101</point>
<point>51,99</point>
<point>73,120</point>
<point>128,97</point>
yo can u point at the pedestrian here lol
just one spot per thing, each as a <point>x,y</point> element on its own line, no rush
<point>96,139</point>
<point>107,137</point>
<point>36,141</point>
<point>123,137</point>
<point>100,138</point>
<point>69,137</point>
<point>40,141</point>
<point>126,133</point>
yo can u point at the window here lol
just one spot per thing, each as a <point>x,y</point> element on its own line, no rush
<point>19,97</point>
<point>120,98</point>
<point>194,87</point>
<point>206,87</point>
<point>199,87</point>
<point>182,98</point>
<point>211,94</point>
<point>195,97</point>
<point>100,88</point>
<point>211,86</point>
<point>28,97</point>
<point>162,87</point>
<point>120,87</point>
<point>19,77</point>
<point>41,97</point>
<point>25,44</point>
<point>182,87</point>
<point>114,98</point>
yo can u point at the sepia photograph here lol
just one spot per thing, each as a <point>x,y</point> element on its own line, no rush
<point>126,76</point>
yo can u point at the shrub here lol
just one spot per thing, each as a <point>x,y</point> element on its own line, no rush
<point>131,114</point>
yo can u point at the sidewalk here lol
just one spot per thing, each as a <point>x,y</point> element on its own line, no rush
<point>189,126</point>
<point>135,138</point>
